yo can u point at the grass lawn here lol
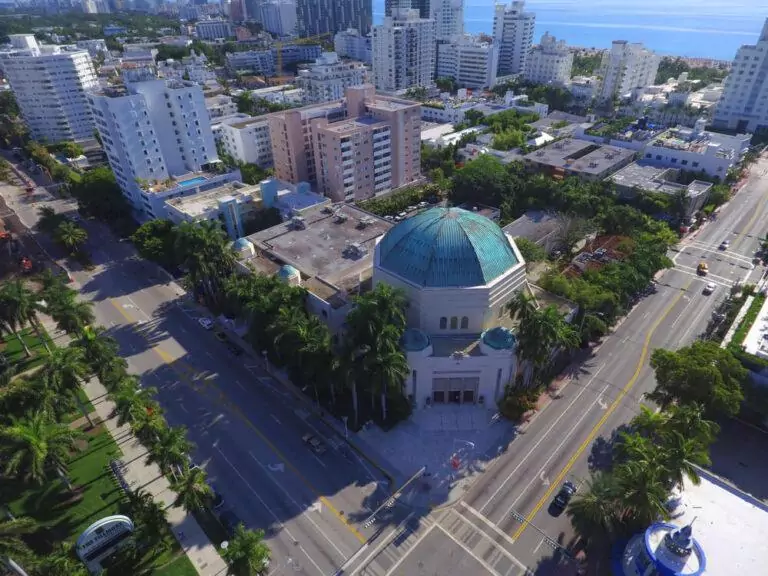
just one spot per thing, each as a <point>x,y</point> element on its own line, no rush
<point>13,351</point>
<point>179,567</point>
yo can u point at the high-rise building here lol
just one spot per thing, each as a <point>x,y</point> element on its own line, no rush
<point>744,104</point>
<point>550,62</point>
<point>317,17</point>
<point>625,67</point>
<point>214,29</point>
<point>50,83</point>
<point>351,44</point>
<point>449,18</point>
<point>352,149</point>
<point>423,6</point>
<point>328,78</point>
<point>404,52</point>
<point>237,11</point>
<point>158,140</point>
<point>471,62</point>
<point>279,17</point>
<point>513,32</point>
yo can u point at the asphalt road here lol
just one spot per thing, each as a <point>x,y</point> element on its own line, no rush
<point>504,522</point>
<point>246,427</point>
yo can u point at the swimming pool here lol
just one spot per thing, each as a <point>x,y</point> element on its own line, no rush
<point>192,181</point>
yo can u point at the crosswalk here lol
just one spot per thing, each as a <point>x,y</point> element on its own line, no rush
<point>386,558</point>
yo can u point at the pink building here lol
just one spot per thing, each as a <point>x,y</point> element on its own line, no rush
<point>352,149</point>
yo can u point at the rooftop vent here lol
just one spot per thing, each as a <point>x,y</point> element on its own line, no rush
<point>355,251</point>
<point>365,221</point>
<point>298,223</point>
<point>340,217</point>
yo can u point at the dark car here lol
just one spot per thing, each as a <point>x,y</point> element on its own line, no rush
<point>217,500</point>
<point>230,521</point>
<point>564,496</point>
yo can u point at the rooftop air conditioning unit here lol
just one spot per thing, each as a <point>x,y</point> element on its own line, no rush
<point>298,223</point>
<point>340,217</point>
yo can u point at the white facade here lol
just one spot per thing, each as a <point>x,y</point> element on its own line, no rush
<point>350,44</point>
<point>248,141</point>
<point>158,140</point>
<point>214,29</point>
<point>550,62</point>
<point>404,52</point>
<point>744,105</point>
<point>470,62</point>
<point>220,106</point>
<point>50,85</point>
<point>449,18</point>
<point>329,77</point>
<point>513,32</point>
<point>193,67</point>
<point>625,68</point>
<point>279,17</point>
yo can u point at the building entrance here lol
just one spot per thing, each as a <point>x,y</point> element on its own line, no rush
<point>455,390</point>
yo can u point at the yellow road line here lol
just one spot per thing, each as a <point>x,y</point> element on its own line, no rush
<point>185,371</point>
<point>611,409</point>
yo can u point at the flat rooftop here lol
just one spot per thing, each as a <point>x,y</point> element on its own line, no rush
<point>200,204</point>
<point>535,225</point>
<point>730,525</point>
<point>353,124</point>
<point>655,179</point>
<point>756,340</point>
<point>248,121</point>
<point>390,104</point>
<point>320,249</point>
<point>580,156</point>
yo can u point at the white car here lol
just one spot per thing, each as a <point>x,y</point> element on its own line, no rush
<point>206,323</point>
<point>725,244</point>
<point>709,288</point>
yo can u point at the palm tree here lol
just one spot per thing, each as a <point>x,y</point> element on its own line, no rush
<point>63,371</point>
<point>148,423</point>
<point>192,490</point>
<point>12,546</point>
<point>131,400</point>
<point>247,554</point>
<point>62,562</point>
<point>24,305</point>
<point>34,444</point>
<point>681,456</point>
<point>97,348</point>
<point>112,371</point>
<point>387,366</point>
<point>70,235</point>
<point>170,449</point>
<point>11,322</point>
<point>688,420</point>
<point>149,517</point>
<point>47,219</point>
<point>595,511</point>
<point>70,314</point>
<point>649,423</point>
<point>643,492</point>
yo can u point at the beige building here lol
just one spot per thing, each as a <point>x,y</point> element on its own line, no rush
<point>351,149</point>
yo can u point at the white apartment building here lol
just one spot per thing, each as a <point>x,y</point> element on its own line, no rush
<point>220,106</point>
<point>248,141</point>
<point>351,44</point>
<point>279,17</point>
<point>193,67</point>
<point>449,18</point>
<point>50,85</point>
<point>469,61</point>
<point>626,67</point>
<point>744,105</point>
<point>214,29</point>
<point>158,140</point>
<point>329,77</point>
<point>513,32</point>
<point>550,62</point>
<point>404,52</point>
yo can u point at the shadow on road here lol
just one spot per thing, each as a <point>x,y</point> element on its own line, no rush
<point>740,455</point>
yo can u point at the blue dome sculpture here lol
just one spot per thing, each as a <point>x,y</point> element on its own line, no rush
<point>242,244</point>
<point>499,338</point>
<point>447,248</point>
<point>414,340</point>
<point>288,271</point>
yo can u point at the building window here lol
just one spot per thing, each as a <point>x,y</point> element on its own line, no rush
<point>454,322</point>
<point>443,323</point>
<point>695,164</point>
<point>464,323</point>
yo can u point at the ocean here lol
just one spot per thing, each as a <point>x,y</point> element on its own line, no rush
<point>696,28</point>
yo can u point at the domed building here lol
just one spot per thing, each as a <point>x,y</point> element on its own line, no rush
<point>459,271</point>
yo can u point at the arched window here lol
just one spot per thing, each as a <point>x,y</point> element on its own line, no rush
<point>443,323</point>
<point>464,322</point>
<point>454,322</point>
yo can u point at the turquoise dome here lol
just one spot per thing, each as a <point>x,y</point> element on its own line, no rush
<point>447,248</point>
<point>288,271</point>
<point>499,338</point>
<point>414,340</point>
<point>242,244</point>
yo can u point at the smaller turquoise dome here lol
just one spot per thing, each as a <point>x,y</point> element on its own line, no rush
<point>414,340</point>
<point>288,271</point>
<point>499,338</point>
<point>242,244</point>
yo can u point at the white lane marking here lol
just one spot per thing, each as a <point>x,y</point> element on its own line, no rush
<point>241,385</point>
<point>682,315</point>
<point>487,537</point>
<point>540,440</point>
<point>467,550</point>
<point>487,522</point>
<point>277,519</point>
<point>538,546</point>
<point>722,253</point>
<point>382,544</point>
<point>279,467</point>
<point>707,278</point>
<point>693,323</point>
<point>544,479</point>
<point>557,449</point>
<point>275,419</point>
<point>301,508</point>
<point>404,556</point>
<point>319,461</point>
<point>727,283</point>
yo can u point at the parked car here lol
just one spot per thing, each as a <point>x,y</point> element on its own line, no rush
<point>564,496</point>
<point>314,443</point>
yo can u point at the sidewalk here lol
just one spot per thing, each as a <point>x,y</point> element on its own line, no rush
<point>139,475</point>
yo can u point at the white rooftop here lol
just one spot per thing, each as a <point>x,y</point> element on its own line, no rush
<point>729,525</point>
<point>756,340</point>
